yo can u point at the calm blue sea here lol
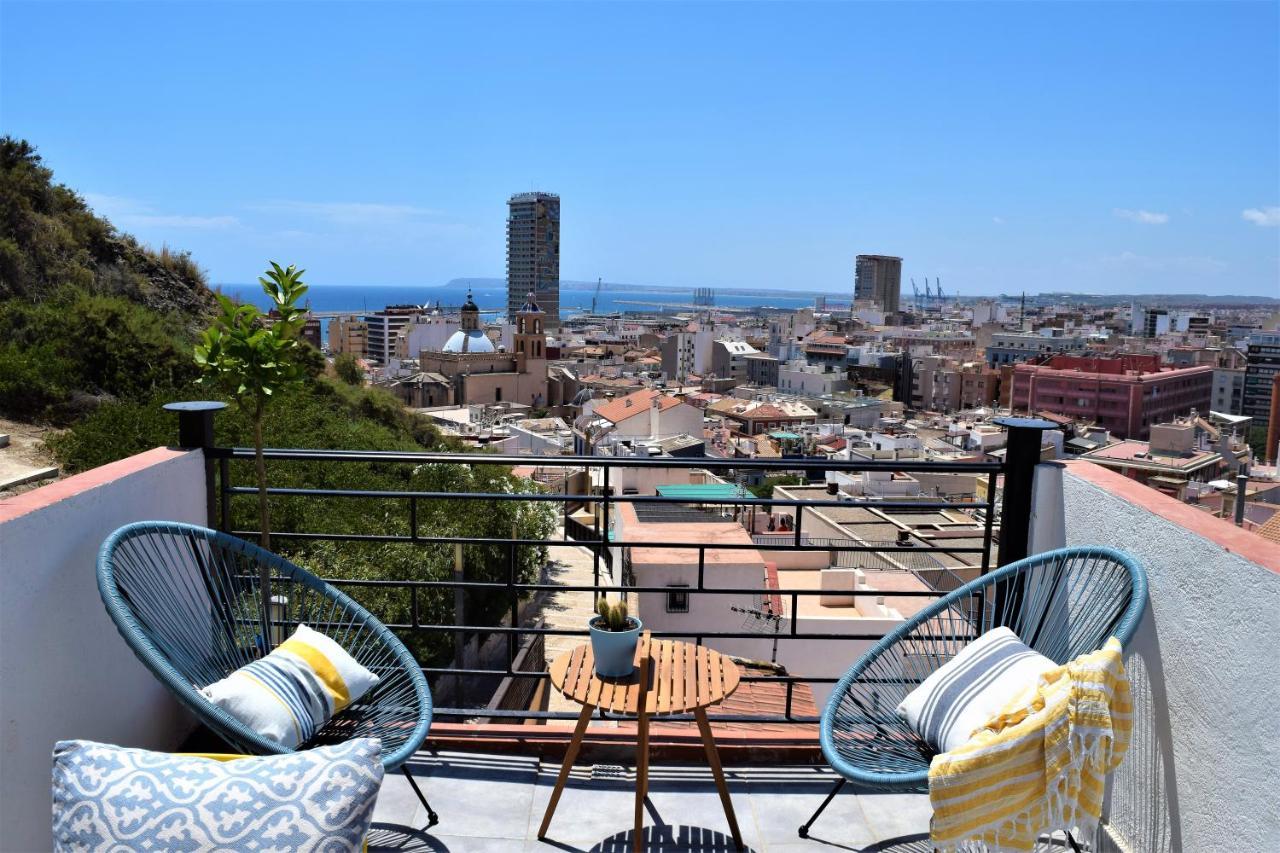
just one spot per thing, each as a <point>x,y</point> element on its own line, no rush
<point>492,296</point>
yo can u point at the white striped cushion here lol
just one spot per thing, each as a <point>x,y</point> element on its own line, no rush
<point>963,694</point>
<point>291,693</point>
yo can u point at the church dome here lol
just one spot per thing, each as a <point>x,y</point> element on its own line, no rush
<point>472,341</point>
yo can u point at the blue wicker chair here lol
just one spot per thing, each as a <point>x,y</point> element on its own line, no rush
<point>1062,603</point>
<point>188,602</point>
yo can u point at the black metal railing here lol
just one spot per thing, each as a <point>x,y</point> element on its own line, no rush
<point>605,537</point>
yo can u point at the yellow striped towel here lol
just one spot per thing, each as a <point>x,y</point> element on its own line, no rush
<point>1040,765</point>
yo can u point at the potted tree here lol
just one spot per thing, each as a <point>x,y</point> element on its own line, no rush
<point>251,361</point>
<point>614,636</point>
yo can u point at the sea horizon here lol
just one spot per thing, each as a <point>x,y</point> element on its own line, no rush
<point>491,296</point>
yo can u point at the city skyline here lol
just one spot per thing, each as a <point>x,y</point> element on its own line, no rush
<point>1038,147</point>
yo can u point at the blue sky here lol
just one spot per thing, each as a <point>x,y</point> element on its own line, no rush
<point>1117,147</point>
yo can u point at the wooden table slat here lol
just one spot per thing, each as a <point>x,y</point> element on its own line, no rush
<point>661,685</point>
<point>704,676</point>
<point>680,677</point>
<point>691,675</point>
<point>677,674</point>
<point>683,676</point>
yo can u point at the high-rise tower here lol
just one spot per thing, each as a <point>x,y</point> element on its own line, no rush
<point>533,254</point>
<point>878,279</point>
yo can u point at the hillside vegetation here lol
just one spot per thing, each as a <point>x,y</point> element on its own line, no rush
<point>51,240</point>
<point>97,333</point>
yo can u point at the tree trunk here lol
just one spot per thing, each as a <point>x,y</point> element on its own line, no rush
<point>260,468</point>
<point>264,534</point>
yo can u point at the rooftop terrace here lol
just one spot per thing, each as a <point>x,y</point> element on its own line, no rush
<point>1203,663</point>
<point>594,814</point>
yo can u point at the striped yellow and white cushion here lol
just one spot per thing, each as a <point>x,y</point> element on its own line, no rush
<point>291,693</point>
<point>967,691</point>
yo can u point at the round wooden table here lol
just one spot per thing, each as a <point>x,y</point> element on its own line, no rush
<point>671,677</point>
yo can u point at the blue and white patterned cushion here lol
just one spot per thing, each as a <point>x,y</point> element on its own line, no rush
<point>110,798</point>
<point>963,694</point>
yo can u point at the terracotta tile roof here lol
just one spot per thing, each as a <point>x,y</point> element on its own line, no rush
<point>634,404</point>
<point>1271,529</point>
<point>766,410</point>
<point>766,698</point>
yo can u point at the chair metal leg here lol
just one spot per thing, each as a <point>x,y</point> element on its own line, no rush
<point>432,817</point>
<point>804,830</point>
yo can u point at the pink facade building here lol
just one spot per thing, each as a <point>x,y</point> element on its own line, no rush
<point>1125,394</point>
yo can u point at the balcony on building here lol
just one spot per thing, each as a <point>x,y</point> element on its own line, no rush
<point>794,588</point>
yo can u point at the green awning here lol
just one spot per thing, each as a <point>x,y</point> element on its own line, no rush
<point>704,491</point>
<point>791,436</point>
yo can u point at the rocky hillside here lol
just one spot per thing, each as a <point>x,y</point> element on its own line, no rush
<point>50,239</point>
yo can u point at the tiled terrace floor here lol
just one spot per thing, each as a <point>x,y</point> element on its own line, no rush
<point>495,803</point>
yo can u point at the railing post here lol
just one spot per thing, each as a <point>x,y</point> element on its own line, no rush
<point>608,557</point>
<point>195,432</point>
<point>459,619</point>
<point>1022,455</point>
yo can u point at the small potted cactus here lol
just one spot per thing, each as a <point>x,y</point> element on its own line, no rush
<point>614,635</point>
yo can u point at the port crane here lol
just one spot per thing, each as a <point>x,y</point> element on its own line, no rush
<point>915,297</point>
<point>595,297</point>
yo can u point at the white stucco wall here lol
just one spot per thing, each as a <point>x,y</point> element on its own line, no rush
<point>644,480</point>
<point>828,658</point>
<point>1205,670</point>
<point>66,672</point>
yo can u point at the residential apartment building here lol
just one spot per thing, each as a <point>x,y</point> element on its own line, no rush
<point>533,253</point>
<point>1125,394</point>
<point>686,353</point>
<point>1015,347</point>
<point>1228,390</point>
<point>1263,354</point>
<point>878,279</point>
<point>762,370</point>
<point>785,330</point>
<point>384,327</point>
<point>943,385</point>
<point>729,359</point>
<point>818,380</point>
<point>1155,322</point>
<point>348,334</point>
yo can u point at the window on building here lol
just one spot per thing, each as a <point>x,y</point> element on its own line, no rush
<point>678,598</point>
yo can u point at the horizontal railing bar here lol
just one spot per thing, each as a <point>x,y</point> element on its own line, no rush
<point>503,713</point>
<point>710,590</point>
<point>570,632</point>
<point>587,543</point>
<point>601,461</point>
<point>556,497</point>
<point>524,673</point>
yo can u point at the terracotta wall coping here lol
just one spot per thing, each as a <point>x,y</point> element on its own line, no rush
<point>1237,540</point>
<point>61,490</point>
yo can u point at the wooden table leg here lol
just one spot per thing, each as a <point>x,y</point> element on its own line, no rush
<point>642,777</point>
<point>713,758</point>
<point>574,745</point>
